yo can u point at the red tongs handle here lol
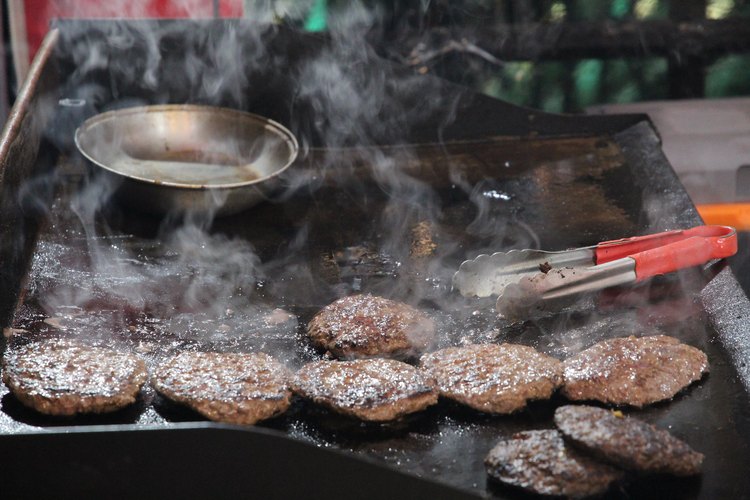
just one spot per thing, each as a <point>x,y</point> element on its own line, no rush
<point>669,251</point>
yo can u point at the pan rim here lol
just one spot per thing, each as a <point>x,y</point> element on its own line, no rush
<point>278,129</point>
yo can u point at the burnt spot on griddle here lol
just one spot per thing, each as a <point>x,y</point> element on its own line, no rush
<point>422,240</point>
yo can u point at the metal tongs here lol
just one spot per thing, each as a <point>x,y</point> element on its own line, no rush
<point>528,281</point>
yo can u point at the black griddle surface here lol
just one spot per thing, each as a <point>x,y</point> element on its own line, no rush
<point>153,287</point>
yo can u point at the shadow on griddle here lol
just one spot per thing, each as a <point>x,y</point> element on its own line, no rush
<point>640,486</point>
<point>497,489</point>
<point>20,413</point>
<point>534,414</point>
<point>121,220</point>
<point>329,426</point>
<point>175,412</point>
<point>333,426</point>
<point>672,295</point>
<point>505,491</point>
<point>660,486</point>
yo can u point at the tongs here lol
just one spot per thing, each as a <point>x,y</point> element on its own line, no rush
<point>527,281</point>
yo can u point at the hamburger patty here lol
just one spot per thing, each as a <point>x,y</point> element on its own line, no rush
<point>362,326</point>
<point>541,462</point>
<point>493,378</point>
<point>626,442</point>
<point>633,371</point>
<point>375,390</point>
<point>226,387</point>
<point>65,377</point>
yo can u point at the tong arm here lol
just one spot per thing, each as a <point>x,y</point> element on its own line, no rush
<point>723,239</point>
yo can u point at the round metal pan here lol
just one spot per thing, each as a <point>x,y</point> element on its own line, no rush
<point>180,158</point>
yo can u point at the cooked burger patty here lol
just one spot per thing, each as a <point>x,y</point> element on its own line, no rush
<point>376,390</point>
<point>541,462</point>
<point>493,378</point>
<point>626,442</point>
<point>362,326</point>
<point>64,377</point>
<point>633,371</point>
<point>226,387</point>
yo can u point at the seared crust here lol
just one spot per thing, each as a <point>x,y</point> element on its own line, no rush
<point>633,371</point>
<point>626,442</point>
<point>64,377</point>
<point>363,326</point>
<point>226,387</point>
<point>375,390</point>
<point>493,378</point>
<point>541,462</point>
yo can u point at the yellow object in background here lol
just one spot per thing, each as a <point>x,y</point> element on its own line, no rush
<point>736,215</point>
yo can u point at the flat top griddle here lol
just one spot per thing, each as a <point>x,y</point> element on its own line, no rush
<point>342,226</point>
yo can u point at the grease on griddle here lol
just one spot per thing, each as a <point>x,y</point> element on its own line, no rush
<point>358,267</point>
<point>361,261</point>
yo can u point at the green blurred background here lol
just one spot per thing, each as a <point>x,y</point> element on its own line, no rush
<point>570,85</point>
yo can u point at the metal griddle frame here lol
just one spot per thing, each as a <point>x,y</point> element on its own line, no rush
<point>210,460</point>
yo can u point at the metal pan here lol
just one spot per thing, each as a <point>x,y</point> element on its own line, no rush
<point>180,158</point>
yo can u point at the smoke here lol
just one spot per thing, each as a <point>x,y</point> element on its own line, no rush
<point>357,108</point>
<point>354,120</point>
<point>121,64</point>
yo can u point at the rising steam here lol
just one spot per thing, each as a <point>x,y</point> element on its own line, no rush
<point>358,121</point>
